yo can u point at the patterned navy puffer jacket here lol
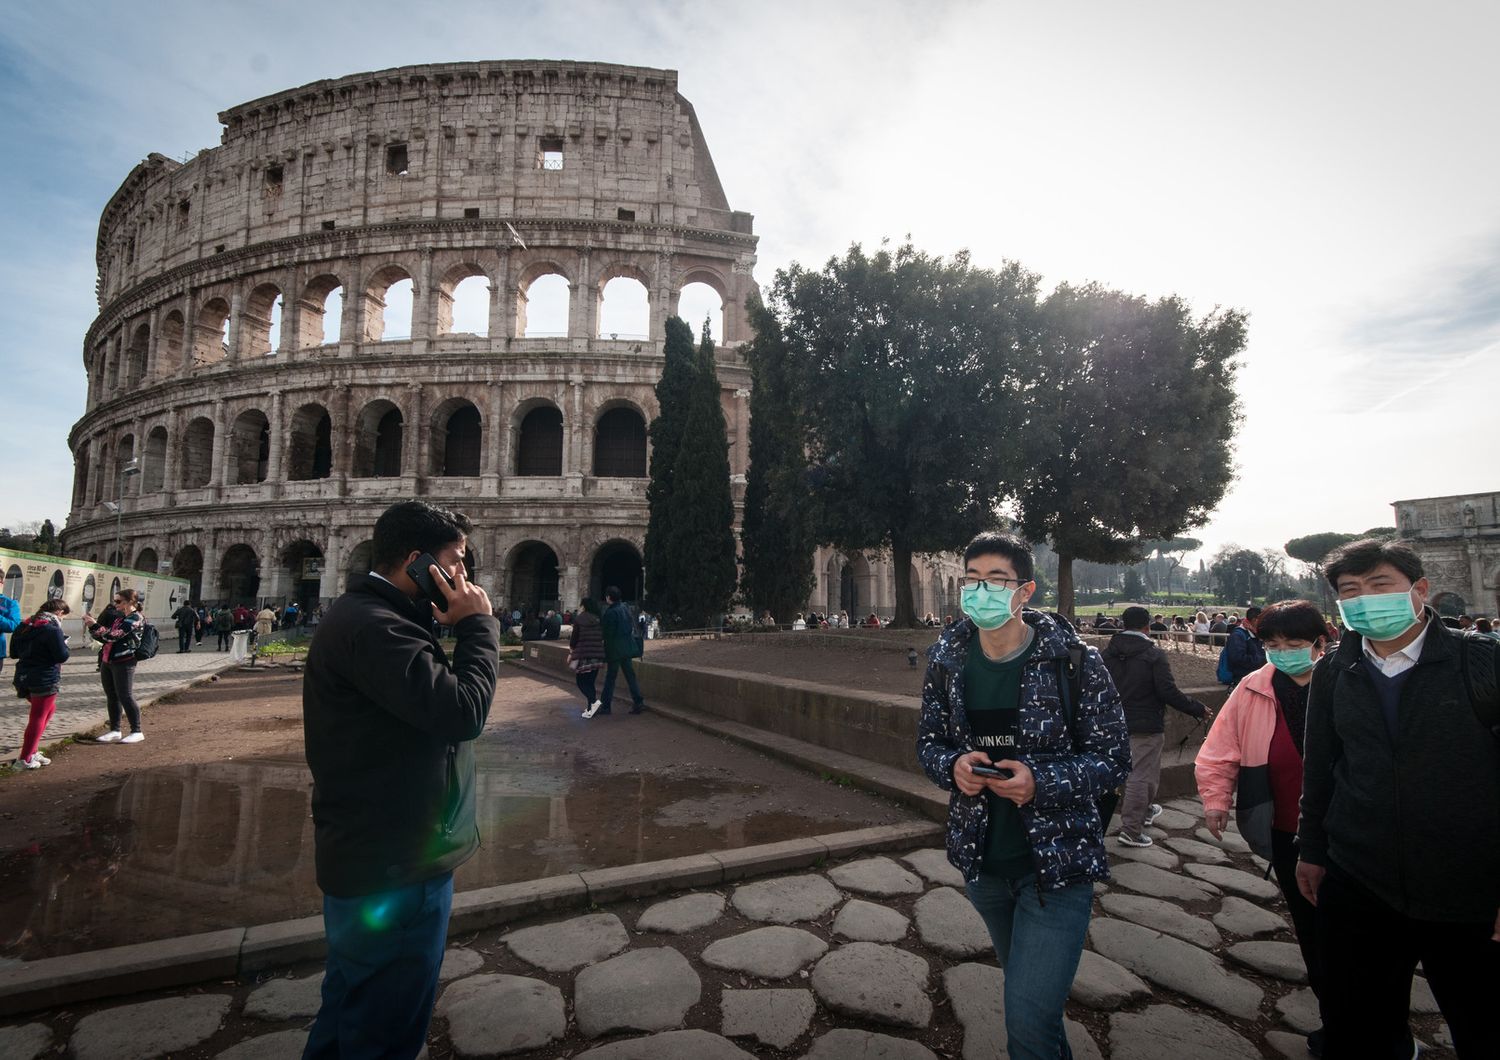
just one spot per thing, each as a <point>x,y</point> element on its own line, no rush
<point>1072,769</point>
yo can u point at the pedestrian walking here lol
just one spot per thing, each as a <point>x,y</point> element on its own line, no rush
<point>586,654</point>
<point>620,648</point>
<point>40,647</point>
<point>1254,751</point>
<point>10,621</point>
<point>1399,832</point>
<point>1143,678</point>
<point>117,664</point>
<point>186,619</point>
<point>1024,762</point>
<point>265,622</point>
<point>202,625</point>
<point>223,625</point>
<point>390,723</point>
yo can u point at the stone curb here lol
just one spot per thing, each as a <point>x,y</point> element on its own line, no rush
<point>239,951</point>
<point>909,789</point>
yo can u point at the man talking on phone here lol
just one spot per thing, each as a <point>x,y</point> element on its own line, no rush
<point>389,722</point>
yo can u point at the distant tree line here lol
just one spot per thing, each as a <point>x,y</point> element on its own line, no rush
<point>39,537</point>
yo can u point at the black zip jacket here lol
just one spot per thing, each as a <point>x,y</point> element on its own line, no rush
<point>1415,819</point>
<point>1143,677</point>
<point>389,722</point>
<point>40,650</point>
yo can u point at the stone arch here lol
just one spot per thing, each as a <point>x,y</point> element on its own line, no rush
<point>361,558</point>
<point>154,461</point>
<point>703,293</point>
<point>622,302</point>
<point>146,561</point>
<point>617,562</point>
<point>378,432</point>
<point>539,439</point>
<point>464,293</point>
<point>81,465</point>
<point>211,333</point>
<point>302,564</point>
<point>310,443</point>
<point>239,574</point>
<point>376,302</point>
<point>553,301</point>
<point>197,453</point>
<point>321,303</point>
<point>169,344</point>
<point>850,585</point>
<point>620,442</point>
<point>535,576</point>
<point>124,454</point>
<point>457,439</point>
<point>135,356</point>
<point>249,448</point>
<point>187,563</point>
<point>260,321</point>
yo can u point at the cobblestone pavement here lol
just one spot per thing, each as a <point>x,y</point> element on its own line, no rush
<point>80,705</point>
<point>1190,957</point>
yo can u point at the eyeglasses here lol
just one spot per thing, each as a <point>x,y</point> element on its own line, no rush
<point>118,600</point>
<point>994,585</point>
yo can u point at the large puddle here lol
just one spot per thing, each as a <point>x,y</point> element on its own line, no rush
<point>179,850</point>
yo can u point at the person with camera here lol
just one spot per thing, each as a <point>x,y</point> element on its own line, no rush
<point>389,722</point>
<point>120,630</point>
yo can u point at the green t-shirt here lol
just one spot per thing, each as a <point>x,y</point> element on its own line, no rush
<point>992,698</point>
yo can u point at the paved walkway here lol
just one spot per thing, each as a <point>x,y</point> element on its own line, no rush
<point>876,958</point>
<point>80,705</point>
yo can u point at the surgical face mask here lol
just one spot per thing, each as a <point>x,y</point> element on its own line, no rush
<point>1381,616</point>
<point>1291,661</point>
<point>989,608</point>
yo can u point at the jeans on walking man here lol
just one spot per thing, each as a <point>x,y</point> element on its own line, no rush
<point>390,722</point>
<point>620,647</point>
<point>1399,835</point>
<point>1144,680</point>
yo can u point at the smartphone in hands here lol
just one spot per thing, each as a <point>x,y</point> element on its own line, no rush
<point>979,769</point>
<point>419,571</point>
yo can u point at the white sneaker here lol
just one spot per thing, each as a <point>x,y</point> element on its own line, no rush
<point>28,763</point>
<point>42,758</point>
<point>1129,839</point>
<point>593,708</point>
<point>112,736</point>
<point>1152,813</point>
<point>135,737</point>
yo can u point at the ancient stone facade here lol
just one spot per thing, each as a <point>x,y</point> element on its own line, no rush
<point>262,469</point>
<point>1459,540</point>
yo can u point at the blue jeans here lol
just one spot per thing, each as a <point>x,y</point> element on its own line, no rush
<point>1038,943</point>
<point>609,682</point>
<point>384,952</point>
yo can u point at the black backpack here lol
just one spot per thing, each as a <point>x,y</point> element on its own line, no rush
<point>1476,658</point>
<point>1070,686</point>
<point>147,641</point>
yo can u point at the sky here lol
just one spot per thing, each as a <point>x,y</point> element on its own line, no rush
<point>1330,169</point>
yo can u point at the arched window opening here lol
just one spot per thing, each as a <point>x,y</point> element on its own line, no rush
<point>260,321</point>
<point>310,452</point>
<point>146,561</point>
<point>699,301</point>
<point>135,356</point>
<point>211,333</point>
<point>197,453</point>
<point>124,456</point>
<point>239,575</point>
<point>377,441</point>
<point>303,563</point>
<point>617,564</point>
<point>154,467</point>
<point>463,306</point>
<point>542,307</point>
<point>624,309</point>
<point>320,313</point>
<point>169,347</point>
<point>250,447</point>
<point>539,449</point>
<point>81,477</point>
<point>114,367</point>
<point>534,577</point>
<point>620,444</point>
<point>456,439</point>
<point>388,305</point>
<point>188,565</point>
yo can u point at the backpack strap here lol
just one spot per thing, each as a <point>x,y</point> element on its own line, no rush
<point>1070,681</point>
<point>1480,683</point>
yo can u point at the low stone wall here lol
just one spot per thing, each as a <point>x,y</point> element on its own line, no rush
<point>879,728</point>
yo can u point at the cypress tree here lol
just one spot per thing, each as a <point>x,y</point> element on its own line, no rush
<point>700,525</point>
<point>672,397</point>
<point>779,533</point>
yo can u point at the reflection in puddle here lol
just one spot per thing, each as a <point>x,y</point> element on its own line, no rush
<point>186,849</point>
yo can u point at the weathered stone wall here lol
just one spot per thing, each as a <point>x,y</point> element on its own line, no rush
<point>1459,541</point>
<point>432,174</point>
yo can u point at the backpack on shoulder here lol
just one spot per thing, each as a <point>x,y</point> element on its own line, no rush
<point>1476,658</point>
<point>147,641</point>
<point>1225,675</point>
<point>1070,685</point>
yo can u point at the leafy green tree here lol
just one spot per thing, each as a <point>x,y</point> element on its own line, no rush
<point>778,534</point>
<point>1383,532</point>
<point>700,523</point>
<point>672,398</point>
<point>1170,553</point>
<point>908,365</point>
<point>1311,549</point>
<point>1130,414</point>
<point>1133,589</point>
<point>1239,574</point>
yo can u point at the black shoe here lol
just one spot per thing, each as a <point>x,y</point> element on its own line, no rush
<point>639,708</point>
<point>603,710</point>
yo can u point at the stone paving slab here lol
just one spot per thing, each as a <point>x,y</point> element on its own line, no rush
<point>774,1017</point>
<point>1283,960</point>
<point>678,916</point>
<point>148,1029</point>
<point>865,1045</point>
<point>1175,819</point>
<point>1206,853</point>
<point>1229,841</point>
<point>933,866</point>
<point>861,921</point>
<point>1241,917</point>
<point>1158,883</point>
<point>1161,1032</point>
<point>1158,856</point>
<point>278,1045</point>
<point>569,944</point>
<point>643,990</point>
<point>495,1015</point>
<point>1235,881</point>
<point>1176,965</point>
<point>459,962</point>
<point>1161,916</point>
<point>1299,1010</point>
<point>671,1045</point>
<point>948,922</point>
<point>285,999</point>
<point>25,1042</point>
<point>774,952</point>
<point>880,877</point>
<point>1100,983</point>
<point>786,899</point>
<point>876,982</point>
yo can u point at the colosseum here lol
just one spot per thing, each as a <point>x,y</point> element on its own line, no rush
<point>444,281</point>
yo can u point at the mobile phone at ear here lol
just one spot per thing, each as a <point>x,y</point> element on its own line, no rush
<point>419,572</point>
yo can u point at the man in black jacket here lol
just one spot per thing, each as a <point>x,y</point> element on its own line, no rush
<point>1143,678</point>
<point>1400,829</point>
<point>389,724</point>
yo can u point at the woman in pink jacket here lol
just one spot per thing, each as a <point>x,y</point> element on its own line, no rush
<point>1255,747</point>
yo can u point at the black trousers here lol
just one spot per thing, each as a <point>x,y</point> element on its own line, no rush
<point>223,638</point>
<point>118,680</point>
<point>1369,954</point>
<point>586,685</point>
<point>1304,915</point>
<point>184,638</point>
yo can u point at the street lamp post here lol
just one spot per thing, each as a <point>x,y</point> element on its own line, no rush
<point>126,470</point>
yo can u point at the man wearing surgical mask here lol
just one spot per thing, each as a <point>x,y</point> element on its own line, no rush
<point>1399,838</point>
<point>1025,770</point>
